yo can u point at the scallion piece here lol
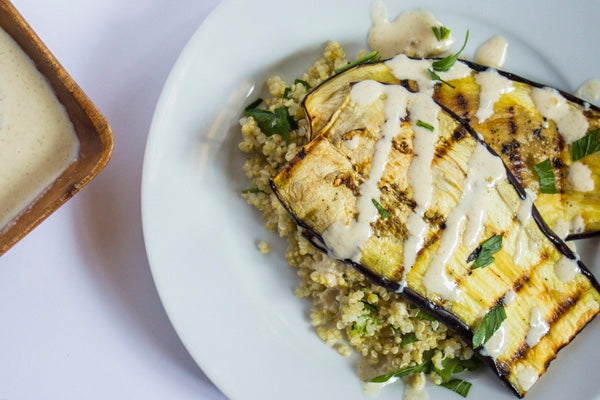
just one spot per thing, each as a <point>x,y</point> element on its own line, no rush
<point>436,77</point>
<point>424,125</point>
<point>440,32</point>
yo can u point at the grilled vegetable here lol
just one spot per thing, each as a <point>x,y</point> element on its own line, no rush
<point>515,128</point>
<point>531,290</point>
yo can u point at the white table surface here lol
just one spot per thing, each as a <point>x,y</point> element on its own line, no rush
<point>80,317</point>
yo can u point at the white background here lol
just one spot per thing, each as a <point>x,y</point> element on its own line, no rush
<point>80,317</point>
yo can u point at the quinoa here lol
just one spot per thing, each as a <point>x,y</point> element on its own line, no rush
<point>349,313</point>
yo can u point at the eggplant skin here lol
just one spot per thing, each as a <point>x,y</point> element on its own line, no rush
<point>516,131</point>
<point>320,186</point>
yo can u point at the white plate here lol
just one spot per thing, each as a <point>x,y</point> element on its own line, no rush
<point>234,308</point>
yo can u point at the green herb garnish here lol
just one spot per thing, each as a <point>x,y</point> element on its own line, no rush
<point>424,125</point>
<point>440,32</point>
<point>546,177</point>
<point>586,145</point>
<point>449,366</point>
<point>288,90</point>
<point>372,56</point>
<point>459,386</point>
<point>426,367</point>
<point>472,364</point>
<point>483,254</point>
<point>446,63</point>
<point>369,307</point>
<point>489,324</point>
<point>423,315</point>
<point>409,338</point>
<point>436,77</point>
<point>382,211</point>
<point>270,123</point>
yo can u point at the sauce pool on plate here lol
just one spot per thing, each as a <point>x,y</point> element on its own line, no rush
<point>37,138</point>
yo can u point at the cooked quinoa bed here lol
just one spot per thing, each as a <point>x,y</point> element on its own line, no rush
<point>348,312</point>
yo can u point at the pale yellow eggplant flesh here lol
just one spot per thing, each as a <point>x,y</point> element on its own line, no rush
<point>321,182</point>
<point>518,133</point>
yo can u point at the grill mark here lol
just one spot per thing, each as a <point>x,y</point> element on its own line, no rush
<point>463,105</point>
<point>409,85</point>
<point>401,146</point>
<point>512,151</point>
<point>512,126</point>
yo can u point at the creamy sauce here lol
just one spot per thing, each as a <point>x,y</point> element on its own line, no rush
<point>566,269</point>
<point>538,327</point>
<point>485,171</point>
<point>570,121</point>
<point>347,239</point>
<point>496,344</point>
<point>509,297</point>
<point>523,216</point>
<point>373,389</point>
<point>492,52</point>
<point>590,91</point>
<point>526,377</point>
<point>579,177</point>
<point>416,389</point>
<point>37,139</point>
<point>420,178</point>
<point>410,33</point>
<point>492,87</point>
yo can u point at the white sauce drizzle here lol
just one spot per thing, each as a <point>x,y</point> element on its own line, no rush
<point>577,224</point>
<point>37,139</point>
<point>523,216</point>
<point>484,172</point>
<point>347,239</point>
<point>373,389</point>
<point>566,269</point>
<point>492,87</point>
<point>496,344</point>
<point>526,377</point>
<point>590,91</point>
<point>492,52</point>
<point>420,178</point>
<point>509,297</point>
<point>580,178</point>
<point>538,327</point>
<point>410,33</point>
<point>570,121</point>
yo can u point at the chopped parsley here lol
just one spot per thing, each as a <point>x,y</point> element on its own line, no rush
<point>440,32</point>
<point>546,177</point>
<point>459,386</point>
<point>483,254</point>
<point>436,77</point>
<point>278,122</point>
<point>252,190</point>
<point>424,125</point>
<point>586,145</point>
<point>423,315</point>
<point>372,56</point>
<point>382,211</point>
<point>288,90</point>
<point>409,338</point>
<point>489,325</point>
<point>446,63</point>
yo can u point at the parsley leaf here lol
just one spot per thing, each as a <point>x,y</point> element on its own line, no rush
<point>424,125</point>
<point>426,366</point>
<point>489,324</point>
<point>472,364</point>
<point>449,366</point>
<point>447,62</point>
<point>409,338</point>
<point>440,32</point>
<point>382,211</point>
<point>459,386</point>
<point>252,190</point>
<point>270,123</point>
<point>436,77</point>
<point>423,315</point>
<point>372,56</point>
<point>586,145</point>
<point>482,255</point>
<point>546,177</point>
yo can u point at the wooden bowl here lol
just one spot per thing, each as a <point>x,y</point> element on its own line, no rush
<point>91,128</point>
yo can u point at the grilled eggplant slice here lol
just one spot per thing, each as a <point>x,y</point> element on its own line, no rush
<point>399,188</point>
<point>513,126</point>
